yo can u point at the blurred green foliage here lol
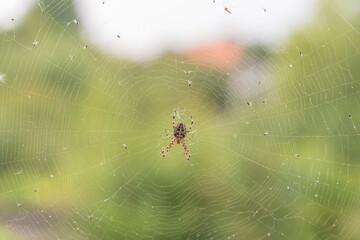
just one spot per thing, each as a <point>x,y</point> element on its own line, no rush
<point>64,120</point>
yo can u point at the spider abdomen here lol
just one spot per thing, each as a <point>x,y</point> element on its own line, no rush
<point>180,131</point>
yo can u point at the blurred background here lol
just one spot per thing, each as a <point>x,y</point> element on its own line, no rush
<point>88,87</point>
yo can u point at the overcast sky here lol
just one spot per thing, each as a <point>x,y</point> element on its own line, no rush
<point>147,29</point>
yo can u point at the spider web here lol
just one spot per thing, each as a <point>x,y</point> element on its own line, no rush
<point>274,152</point>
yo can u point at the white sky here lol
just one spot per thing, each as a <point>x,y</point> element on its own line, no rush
<point>13,9</point>
<point>149,28</point>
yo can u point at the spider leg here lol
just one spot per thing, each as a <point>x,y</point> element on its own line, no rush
<point>185,140</point>
<point>192,122</point>
<point>174,118</point>
<point>166,133</point>
<point>166,150</point>
<point>187,152</point>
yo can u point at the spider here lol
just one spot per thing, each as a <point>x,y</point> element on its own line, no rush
<point>179,137</point>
